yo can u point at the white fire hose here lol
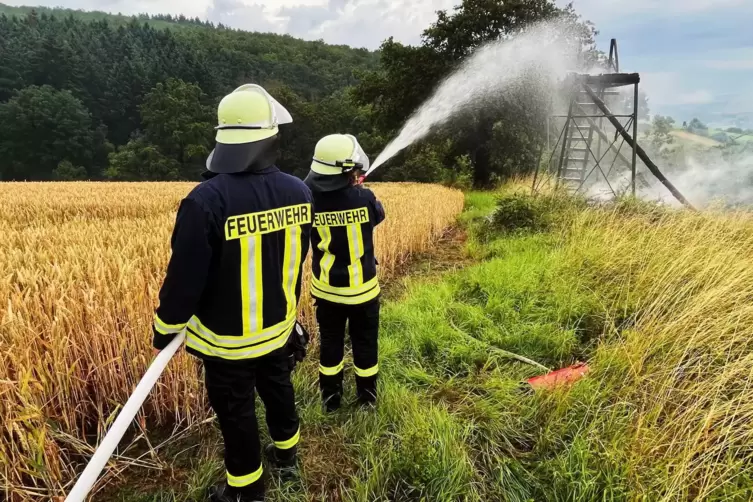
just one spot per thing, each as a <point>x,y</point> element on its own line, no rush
<point>125,417</point>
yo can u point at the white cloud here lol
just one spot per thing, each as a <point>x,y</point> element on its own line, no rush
<point>603,10</point>
<point>191,8</point>
<point>368,22</point>
<point>364,23</point>
<point>668,89</point>
<point>236,14</point>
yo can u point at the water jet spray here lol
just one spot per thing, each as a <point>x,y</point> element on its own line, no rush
<point>489,73</point>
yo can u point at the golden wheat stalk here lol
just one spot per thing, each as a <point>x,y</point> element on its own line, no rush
<point>80,269</point>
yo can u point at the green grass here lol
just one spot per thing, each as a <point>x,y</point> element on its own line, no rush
<point>454,421</point>
<point>478,205</point>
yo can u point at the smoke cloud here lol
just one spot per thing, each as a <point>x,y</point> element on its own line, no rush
<point>709,178</point>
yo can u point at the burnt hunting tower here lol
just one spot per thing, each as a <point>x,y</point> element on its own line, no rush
<point>594,146</point>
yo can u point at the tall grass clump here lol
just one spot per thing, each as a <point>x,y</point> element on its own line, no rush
<point>684,360</point>
<point>80,268</point>
<point>659,301</point>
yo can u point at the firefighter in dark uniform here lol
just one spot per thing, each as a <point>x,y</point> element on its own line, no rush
<point>233,284</point>
<point>344,283</point>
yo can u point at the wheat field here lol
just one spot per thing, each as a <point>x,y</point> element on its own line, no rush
<point>80,269</point>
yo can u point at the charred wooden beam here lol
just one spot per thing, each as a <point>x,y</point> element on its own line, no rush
<point>638,149</point>
<point>607,80</point>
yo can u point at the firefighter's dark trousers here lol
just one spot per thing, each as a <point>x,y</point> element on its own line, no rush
<point>363,327</point>
<point>230,387</point>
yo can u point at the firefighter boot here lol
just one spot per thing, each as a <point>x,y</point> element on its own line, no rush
<point>366,389</point>
<point>332,390</point>
<point>226,493</point>
<point>285,462</point>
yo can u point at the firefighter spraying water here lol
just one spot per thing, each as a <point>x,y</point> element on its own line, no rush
<point>222,321</point>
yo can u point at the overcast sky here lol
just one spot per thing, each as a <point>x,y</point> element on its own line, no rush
<point>695,56</point>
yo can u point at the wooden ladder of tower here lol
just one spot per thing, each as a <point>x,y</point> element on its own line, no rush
<point>577,156</point>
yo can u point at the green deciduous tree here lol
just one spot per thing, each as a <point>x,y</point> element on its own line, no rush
<point>178,120</point>
<point>40,127</point>
<point>138,79</point>
<point>698,127</point>
<point>141,161</point>
<point>65,171</point>
<point>661,129</point>
<point>474,22</point>
<point>297,140</point>
<point>408,75</point>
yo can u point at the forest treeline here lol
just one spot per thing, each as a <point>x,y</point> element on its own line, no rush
<point>92,97</point>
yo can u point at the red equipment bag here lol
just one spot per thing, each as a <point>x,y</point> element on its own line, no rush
<point>559,377</point>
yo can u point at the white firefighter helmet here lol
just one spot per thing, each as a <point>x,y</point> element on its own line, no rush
<point>247,121</point>
<point>335,157</point>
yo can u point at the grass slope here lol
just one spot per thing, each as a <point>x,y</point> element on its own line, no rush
<point>658,301</point>
<point>694,139</point>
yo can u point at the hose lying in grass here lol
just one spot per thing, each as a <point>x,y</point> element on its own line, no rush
<point>125,417</point>
<point>506,353</point>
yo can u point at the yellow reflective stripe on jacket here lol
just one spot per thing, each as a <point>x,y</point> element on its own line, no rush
<point>241,481</point>
<point>355,245</point>
<point>198,344</point>
<point>367,372</point>
<point>286,445</point>
<point>346,291</point>
<point>332,370</point>
<point>345,300</point>
<point>167,329</point>
<point>328,259</point>
<point>291,263</point>
<point>252,292</point>
<point>198,328</point>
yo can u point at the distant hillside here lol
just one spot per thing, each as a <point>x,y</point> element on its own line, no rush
<point>132,81</point>
<point>695,139</point>
<point>160,21</point>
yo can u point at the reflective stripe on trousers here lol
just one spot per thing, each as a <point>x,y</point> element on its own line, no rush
<point>368,372</point>
<point>242,481</point>
<point>332,370</point>
<point>289,443</point>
